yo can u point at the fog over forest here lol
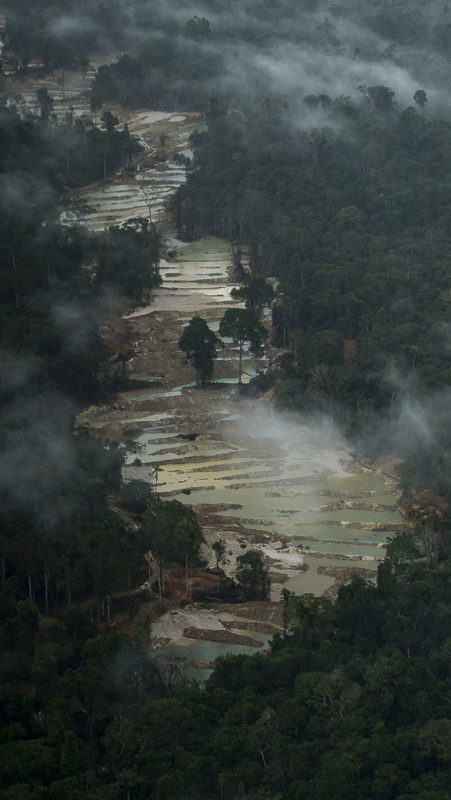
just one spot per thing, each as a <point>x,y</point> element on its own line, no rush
<point>291,49</point>
<point>225,376</point>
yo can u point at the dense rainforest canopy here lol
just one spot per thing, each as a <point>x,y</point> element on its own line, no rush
<point>55,284</point>
<point>326,154</point>
<point>353,703</point>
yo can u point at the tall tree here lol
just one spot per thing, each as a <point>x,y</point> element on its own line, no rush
<point>253,576</point>
<point>173,531</point>
<point>198,343</point>
<point>256,292</point>
<point>243,326</point>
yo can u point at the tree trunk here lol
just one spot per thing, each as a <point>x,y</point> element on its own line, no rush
<point>46,589</point>
<point>178,215</point>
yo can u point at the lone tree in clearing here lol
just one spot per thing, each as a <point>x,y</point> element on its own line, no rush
<point>219,549</point>
<point>198,343</point>
<point>243,326</point>
<point>252,576</point>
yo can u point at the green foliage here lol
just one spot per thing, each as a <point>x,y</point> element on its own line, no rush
<point>172,73</point>
<point>352,702</point>
<point>128,259</point>
<point>60,541</point>
<point>353,218</point>
<point>67,153</point>
<point>256,292</point>
<point>252,576</point>
<point>198,343</point>
<point>173,532</point>
<point>402,550</point>
<point>57,35</point>
<point>136,496</point>
<point>219,549</point>
<point>358,242</point>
